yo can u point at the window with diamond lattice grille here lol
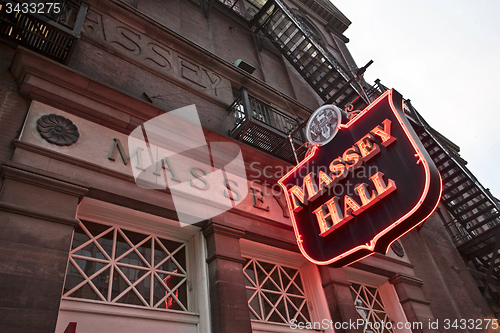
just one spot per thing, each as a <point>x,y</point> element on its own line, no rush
<point>371,309</point>
<point>275,293</point>
<point>115,265</point>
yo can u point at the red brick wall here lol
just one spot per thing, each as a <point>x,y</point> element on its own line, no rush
<point>227,38</point>
<point>447,283</point>
<point>218,33</point>
<point>124,76</point>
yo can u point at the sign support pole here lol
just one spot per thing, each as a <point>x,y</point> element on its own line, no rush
<point>293,148</point>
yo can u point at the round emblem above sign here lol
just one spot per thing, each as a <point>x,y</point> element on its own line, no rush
<point>323,124</point>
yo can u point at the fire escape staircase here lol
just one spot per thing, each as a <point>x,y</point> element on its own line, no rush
<point>475,227</point>
<point>306,53</point>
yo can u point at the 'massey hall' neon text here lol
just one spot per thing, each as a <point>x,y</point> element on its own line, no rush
<point>331,215</point>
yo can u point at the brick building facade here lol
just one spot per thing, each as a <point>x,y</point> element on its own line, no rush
<point>82,243</point>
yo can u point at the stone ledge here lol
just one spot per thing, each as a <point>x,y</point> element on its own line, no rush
<point>337,283</point>
<point>214,256</point>
<point>29,175</point>
<point>37,214</point>
<point>222,230</point>
<point>406,279</point>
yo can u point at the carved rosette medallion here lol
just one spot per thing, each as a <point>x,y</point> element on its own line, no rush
<point>57,130</point>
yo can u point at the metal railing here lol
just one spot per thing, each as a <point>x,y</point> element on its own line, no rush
<point>266,114</point>
<point>245,8</point>
<point>68,13</point>
<point>53,34</point>
<point>375,90</point>
<point>265,127</point>
<point>272,116</point>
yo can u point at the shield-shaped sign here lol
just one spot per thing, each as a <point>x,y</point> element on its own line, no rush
<point>363,190</point>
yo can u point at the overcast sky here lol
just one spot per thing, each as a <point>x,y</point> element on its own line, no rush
<point>444,55</point>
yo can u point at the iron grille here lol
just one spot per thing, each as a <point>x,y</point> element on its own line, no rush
<point>52,35</point>
<point>267,128</point>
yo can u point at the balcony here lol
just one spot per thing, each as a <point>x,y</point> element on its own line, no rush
<point>247,9</point>
<point>267,128</point>
<point>53,34</point>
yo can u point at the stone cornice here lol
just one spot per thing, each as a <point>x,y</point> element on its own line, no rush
<point>51,83</point>
<point>6,207</point>
<point>394,260</point>
<point>337,283</point>
<point>406,279</point>
<point>413,300</point>
<point>213,228</point>
<point>326,14</point>
<point>29,175</point>
<point>335,20</point>
<point>374,263</point>
<point>221,256</point>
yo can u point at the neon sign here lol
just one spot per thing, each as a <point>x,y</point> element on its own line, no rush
<point>362,191</point>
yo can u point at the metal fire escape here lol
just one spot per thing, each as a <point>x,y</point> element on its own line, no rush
<point>305,52</point>
<point>475,227</point>
<point>307,55</point>
<point>49,28</point>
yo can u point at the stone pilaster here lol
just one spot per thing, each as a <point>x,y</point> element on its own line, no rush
<point>37,218</point>
<point>338,295</point>
<point>228,299</point>
<point>412,299</point>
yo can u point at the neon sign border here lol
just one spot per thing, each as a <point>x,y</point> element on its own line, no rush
<point>371,245</point>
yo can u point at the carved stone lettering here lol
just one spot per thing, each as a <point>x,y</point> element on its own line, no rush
<point>191,72</point>
<point>215,79</point>
<point>93,25</point>
<point>161,58</point>
<point>128,40</point>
